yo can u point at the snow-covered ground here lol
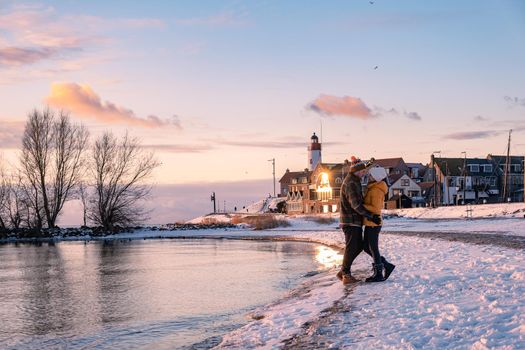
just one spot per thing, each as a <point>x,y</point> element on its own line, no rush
<point>442,295</point>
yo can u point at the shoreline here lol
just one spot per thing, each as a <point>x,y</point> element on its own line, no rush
<point>489,238</point>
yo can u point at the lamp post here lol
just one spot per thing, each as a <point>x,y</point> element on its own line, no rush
<point>464,177</point>
<point>435,177</point>
<point>213,200</point>
<point>273,163</point>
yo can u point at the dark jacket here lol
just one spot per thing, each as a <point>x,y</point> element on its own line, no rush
<point>352,208</point>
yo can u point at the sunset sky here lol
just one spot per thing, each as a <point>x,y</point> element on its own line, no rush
<point>216,88</point>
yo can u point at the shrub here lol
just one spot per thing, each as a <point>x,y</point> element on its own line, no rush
<point>322,220</point>
<point>261,222</point>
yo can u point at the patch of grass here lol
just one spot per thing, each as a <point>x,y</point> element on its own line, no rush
<point>260,222</point>
<point>321,220</point>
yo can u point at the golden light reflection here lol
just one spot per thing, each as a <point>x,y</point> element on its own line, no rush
<point>324,183</point>
<point>328,257</point>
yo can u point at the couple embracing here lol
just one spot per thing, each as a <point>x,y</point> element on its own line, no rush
<point>361,218</point>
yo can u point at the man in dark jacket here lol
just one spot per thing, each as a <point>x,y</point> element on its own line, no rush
<point>352,213</point>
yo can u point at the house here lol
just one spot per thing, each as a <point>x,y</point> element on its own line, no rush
<point>295,187</point>
<point>417,171</point>
<point>402,184</point>
<point>287,179</point>
<point>515,178</point>
<point>325,188</point>
<point>465,180</point>
<point>398,201</point>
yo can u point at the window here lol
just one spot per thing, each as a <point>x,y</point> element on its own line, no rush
<point>474,168</point>
<point>487,168</point>
<point>405,182</point>
<point>334,208</point>
<point>294,181</point>
<point>303,180</point>
<point>338,181</point>
<point>491,181</point>
<point>515,168</point>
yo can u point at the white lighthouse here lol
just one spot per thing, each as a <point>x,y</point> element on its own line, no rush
<point>314,153</point>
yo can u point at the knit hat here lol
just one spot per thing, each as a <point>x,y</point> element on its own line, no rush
<point>378,173</point>
<point>356,164</point>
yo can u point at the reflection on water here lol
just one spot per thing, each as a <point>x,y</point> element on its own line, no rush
<point>328,257</point>
<point>138,294</point>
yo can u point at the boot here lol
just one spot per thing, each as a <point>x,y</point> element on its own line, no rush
<point>378,274</point>
<point>388,267</point>
<point>348,278</point>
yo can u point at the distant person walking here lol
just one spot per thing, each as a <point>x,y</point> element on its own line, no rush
<point>374,202</point>
<point>352,213</point>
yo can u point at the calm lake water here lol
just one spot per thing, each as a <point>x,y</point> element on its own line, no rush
<point>157,294</point>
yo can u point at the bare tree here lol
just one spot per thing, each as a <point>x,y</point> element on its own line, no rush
<point>4,199</point>
<point>52,150</point>
<point>84,195</point>
<point>119,168</point>
<point>16,204</point>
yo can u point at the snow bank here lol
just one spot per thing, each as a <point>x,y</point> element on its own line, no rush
<point>212,218</point>
<point>460,211</point>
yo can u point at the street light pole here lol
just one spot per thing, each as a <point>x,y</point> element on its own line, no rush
<point>273,163</point>
<point>435,177</point>
<point>464,177</point>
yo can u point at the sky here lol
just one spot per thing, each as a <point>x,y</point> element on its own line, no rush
<point>217,88</point>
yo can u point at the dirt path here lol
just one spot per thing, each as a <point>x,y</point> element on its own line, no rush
<point>501,240</point>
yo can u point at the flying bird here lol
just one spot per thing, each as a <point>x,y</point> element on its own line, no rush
<point>376,67</point>
<point>371,2</point>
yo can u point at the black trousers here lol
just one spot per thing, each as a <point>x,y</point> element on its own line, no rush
<point>355,244</point>
<point>371,242</point>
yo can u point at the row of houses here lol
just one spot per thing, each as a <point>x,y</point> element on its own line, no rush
<point>443,181</point>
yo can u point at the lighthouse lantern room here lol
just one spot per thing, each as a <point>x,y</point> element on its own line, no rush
<point>314,152</point>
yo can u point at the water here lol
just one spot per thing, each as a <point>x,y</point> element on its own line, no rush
<point>160,294</point>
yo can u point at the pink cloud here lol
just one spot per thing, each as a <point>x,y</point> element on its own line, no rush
<point>35,33</point>
<point>82,101</point>
<point>18,56</point>
<point>347,106</point>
